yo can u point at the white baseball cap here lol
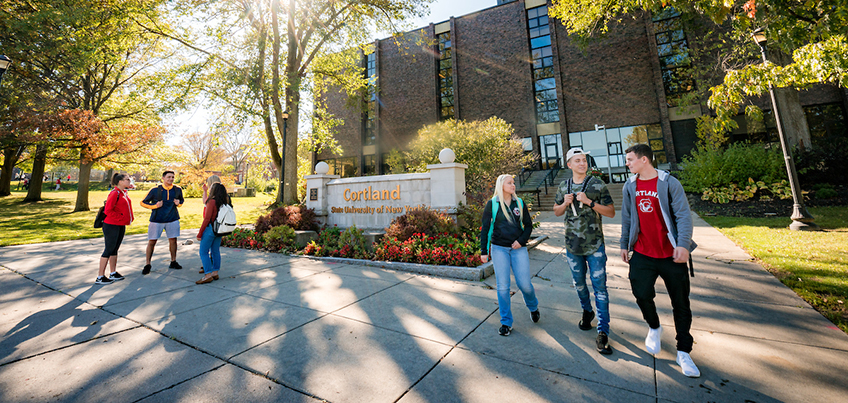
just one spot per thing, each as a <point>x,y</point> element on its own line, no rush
<point>574,151</point>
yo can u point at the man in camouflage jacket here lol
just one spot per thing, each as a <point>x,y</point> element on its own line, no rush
<point>583,200</point>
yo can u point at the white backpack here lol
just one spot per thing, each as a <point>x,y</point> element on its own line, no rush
<point>225,223</point>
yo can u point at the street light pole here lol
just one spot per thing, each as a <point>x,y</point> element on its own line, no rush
<point>281,193</point>
<point>802,220</point>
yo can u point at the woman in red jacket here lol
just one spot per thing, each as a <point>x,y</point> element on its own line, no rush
<point>119,214</point>
<point>210,244</point>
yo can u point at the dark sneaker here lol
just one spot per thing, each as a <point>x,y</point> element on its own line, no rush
<point>102,280</point>
<point>146,269</point>
<point>535,315</point>
<point>504,330</point>
<point>115,276</point>
<point>174,265</point>
<point>603,344</point>
<point>586,322</point>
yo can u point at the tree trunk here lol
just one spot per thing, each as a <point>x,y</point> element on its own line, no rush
<point>37,179</point>
<point>290,179</point>
<point>82,186</point>
<point>792,114</point>
<point>10,158</point>
<point>107,178</point>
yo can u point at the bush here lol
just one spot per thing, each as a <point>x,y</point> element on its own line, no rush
<point>442,249</point>
<point>825,162</point>
<point>334,242</point>
<point>297,217</point>
<point>824,191</point>
<point>423,221</point>
<point>489,148</point>
<point>243,238</point>
<point>279,239</point>
<point>710,169</point>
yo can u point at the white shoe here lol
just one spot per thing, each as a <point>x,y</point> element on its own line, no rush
<point>687,365</point>
<point>652,342</point>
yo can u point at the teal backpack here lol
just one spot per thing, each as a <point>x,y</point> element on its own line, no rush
<point>495,207</point>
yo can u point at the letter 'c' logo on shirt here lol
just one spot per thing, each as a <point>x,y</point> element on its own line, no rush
<point>645,206</point>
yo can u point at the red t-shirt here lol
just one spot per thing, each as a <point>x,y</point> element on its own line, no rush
<point>653,234</point>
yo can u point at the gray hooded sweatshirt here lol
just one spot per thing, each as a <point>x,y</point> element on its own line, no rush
<point>679,228</point>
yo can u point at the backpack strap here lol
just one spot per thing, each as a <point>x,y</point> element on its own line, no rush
<point>495,206</point>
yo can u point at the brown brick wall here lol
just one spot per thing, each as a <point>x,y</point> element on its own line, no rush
<point>493,69</point>
<point>611,81</point>
<point>407,88</point>
<point>349,133</point>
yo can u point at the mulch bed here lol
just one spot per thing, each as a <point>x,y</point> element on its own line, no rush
<point>759,208</point>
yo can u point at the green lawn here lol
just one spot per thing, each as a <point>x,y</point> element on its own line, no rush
<point>813,264</point>
<point>54,220</point>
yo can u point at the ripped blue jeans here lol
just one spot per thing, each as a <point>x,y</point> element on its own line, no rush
<point>597,268</point>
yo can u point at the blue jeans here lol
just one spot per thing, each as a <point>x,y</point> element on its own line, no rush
<point>504,258</point>
<point>597,267</point>
<point>210,250</point>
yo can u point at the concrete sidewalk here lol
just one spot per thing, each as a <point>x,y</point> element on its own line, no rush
<point>279,328</point>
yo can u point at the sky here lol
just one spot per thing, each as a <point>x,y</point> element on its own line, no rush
<point>198,119</point>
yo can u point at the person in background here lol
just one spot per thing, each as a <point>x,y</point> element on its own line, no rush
<point>210,244</point>
<point>119,214</point>
<point>209,182</point>
<point>504,236</point>
<point>163,200</point>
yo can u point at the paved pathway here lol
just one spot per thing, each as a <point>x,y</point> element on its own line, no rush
<point>278,328</point>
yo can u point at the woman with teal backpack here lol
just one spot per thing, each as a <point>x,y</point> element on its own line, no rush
<point>504,235</point>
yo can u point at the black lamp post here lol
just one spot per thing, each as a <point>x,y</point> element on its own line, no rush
<point>283,157</point>
<point>802,220</point>
<point>4,65</point>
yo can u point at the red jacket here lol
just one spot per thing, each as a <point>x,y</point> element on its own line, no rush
<point>118,208</point>
<point>210,213</point>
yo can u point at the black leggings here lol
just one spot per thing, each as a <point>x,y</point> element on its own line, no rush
<point>644,271</point>
<point>114,235</point>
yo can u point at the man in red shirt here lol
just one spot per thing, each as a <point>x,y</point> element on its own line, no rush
<point>656,225</point>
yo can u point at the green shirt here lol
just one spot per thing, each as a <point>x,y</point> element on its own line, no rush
<point>584,234</point>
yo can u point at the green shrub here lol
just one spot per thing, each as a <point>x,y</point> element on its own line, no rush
<point>334,242</point>
<point>712,169</point>
<point>279,239</point>
<point>423,221</point>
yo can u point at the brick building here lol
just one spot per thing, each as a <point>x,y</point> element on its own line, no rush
<point>512,62</point>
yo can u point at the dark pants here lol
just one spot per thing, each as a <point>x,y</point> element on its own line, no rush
<point>644,271</point>
<point>114,235</point>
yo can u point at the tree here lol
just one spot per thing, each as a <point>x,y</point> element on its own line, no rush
<point>284,38</point>
<point>490,148</point>
<point>88,55</point>
<point>813,33</point>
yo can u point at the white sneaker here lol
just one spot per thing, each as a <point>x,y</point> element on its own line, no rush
<point>652,342</point>
<point>687,365</point>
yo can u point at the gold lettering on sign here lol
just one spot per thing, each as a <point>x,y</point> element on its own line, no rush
<point>370,194</point>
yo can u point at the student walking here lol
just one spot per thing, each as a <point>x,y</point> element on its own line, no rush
<point>656,226</point>
<point>583,200</point>
<point>506,229</point>
<point>210,243</point>
<point>119,214</point>
<point>163,200</point>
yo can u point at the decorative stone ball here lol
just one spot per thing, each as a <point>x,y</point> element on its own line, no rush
<point>322,168</point>
<point>447,156</point>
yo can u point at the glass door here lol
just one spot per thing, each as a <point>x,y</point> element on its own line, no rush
<point>551,147</point>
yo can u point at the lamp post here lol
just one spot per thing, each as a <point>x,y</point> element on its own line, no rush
<point>4,65</point>
<point>802,220</point>
<point>283,157</point>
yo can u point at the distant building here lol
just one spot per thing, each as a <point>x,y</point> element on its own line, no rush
<point>513,62</point>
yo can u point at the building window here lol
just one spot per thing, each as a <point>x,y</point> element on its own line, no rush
<point>446,109</point>
<point>369,135</point>
<point>527,143</point>
<point>551,146</point>
<point>826,121</point>
<point>544,83</point>
<point>369,165</point>
<point>673,51</point>
<point>610,156</point>
<point>347,167</point>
